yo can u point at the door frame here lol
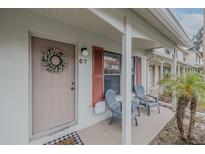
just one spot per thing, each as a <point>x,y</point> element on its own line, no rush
<point>64,126</point>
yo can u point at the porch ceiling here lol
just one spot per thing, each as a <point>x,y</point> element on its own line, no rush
<point>143,44</point>
<point>81,18</point>
<point>87,20</point>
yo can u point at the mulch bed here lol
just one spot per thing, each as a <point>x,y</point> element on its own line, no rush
<point>170,133</point>
<point>165,98</point>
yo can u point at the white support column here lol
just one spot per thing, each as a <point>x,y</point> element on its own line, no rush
<point>161,74</point>
<point>161,69</point>
<point>147,77</point>
<point>174,68</point>
<point>174,65</point>
<point>126,83</point>
<point>178,67</point>
<point>155,74</point>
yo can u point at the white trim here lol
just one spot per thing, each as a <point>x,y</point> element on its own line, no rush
<point>171,23</point>
<point>163,21</point>
<point>65,126</point>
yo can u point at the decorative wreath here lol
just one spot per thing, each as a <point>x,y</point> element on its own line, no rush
<point>54,60</point>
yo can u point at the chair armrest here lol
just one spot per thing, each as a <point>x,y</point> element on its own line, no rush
<point>142,99</point>
<point>155,98</point>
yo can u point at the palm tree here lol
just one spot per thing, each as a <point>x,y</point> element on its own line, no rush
<point>189,89</point>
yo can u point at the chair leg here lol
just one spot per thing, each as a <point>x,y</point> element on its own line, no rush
<point>148,110</point>
<point>138,111</point>
<point>136,123</point>
<point>111,121</point>
<point>158,109</point>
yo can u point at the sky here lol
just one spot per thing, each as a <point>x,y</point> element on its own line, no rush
<point>191,19</point>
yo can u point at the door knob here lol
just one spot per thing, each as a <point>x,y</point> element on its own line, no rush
<point>72,88</point>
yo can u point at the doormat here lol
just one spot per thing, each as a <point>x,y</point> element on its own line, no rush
<point>69,139</point>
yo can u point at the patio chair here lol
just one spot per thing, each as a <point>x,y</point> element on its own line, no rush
<point>116,107</point>
<point>143,99</point>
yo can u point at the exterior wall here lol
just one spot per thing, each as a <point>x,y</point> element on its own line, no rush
<point>199,60</point>
<point>161,56</point>
<point>15,95</point>
<point>191,58</point>
<point>154,75</point>
<point>162,52</point>
<point>189,64</point>
<point>180,55</point>
<point>157,74</point>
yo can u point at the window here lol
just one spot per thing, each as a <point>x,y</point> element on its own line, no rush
<point>112,70</point>
<point>166,70</point>
<point>167,51</point>
<point>184,56</point>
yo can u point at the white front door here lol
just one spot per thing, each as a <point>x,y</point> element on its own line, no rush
<point>53,93</point>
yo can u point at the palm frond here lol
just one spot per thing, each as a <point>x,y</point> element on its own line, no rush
<point>185,85</point>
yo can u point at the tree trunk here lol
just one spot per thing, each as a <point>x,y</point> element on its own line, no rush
<point>181,106</point>
<point>192,116</point>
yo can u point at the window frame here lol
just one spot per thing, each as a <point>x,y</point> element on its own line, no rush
<point>120,65</point>
<point>134,65</point>
<point>113,53</point>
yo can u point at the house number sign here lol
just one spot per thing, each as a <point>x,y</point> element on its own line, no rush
<point>82,60</point>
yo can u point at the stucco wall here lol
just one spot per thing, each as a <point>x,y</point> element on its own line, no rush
<point>180,56</point>
<point>191,58</point>
<point>14,71</point>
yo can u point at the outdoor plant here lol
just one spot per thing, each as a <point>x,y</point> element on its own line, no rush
<point>188,89</point>
<point>166,95</point>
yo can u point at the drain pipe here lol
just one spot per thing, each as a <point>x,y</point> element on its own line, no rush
<point>147,73</point>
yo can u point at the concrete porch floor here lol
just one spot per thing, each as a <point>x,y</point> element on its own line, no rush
<point>148,127</point>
